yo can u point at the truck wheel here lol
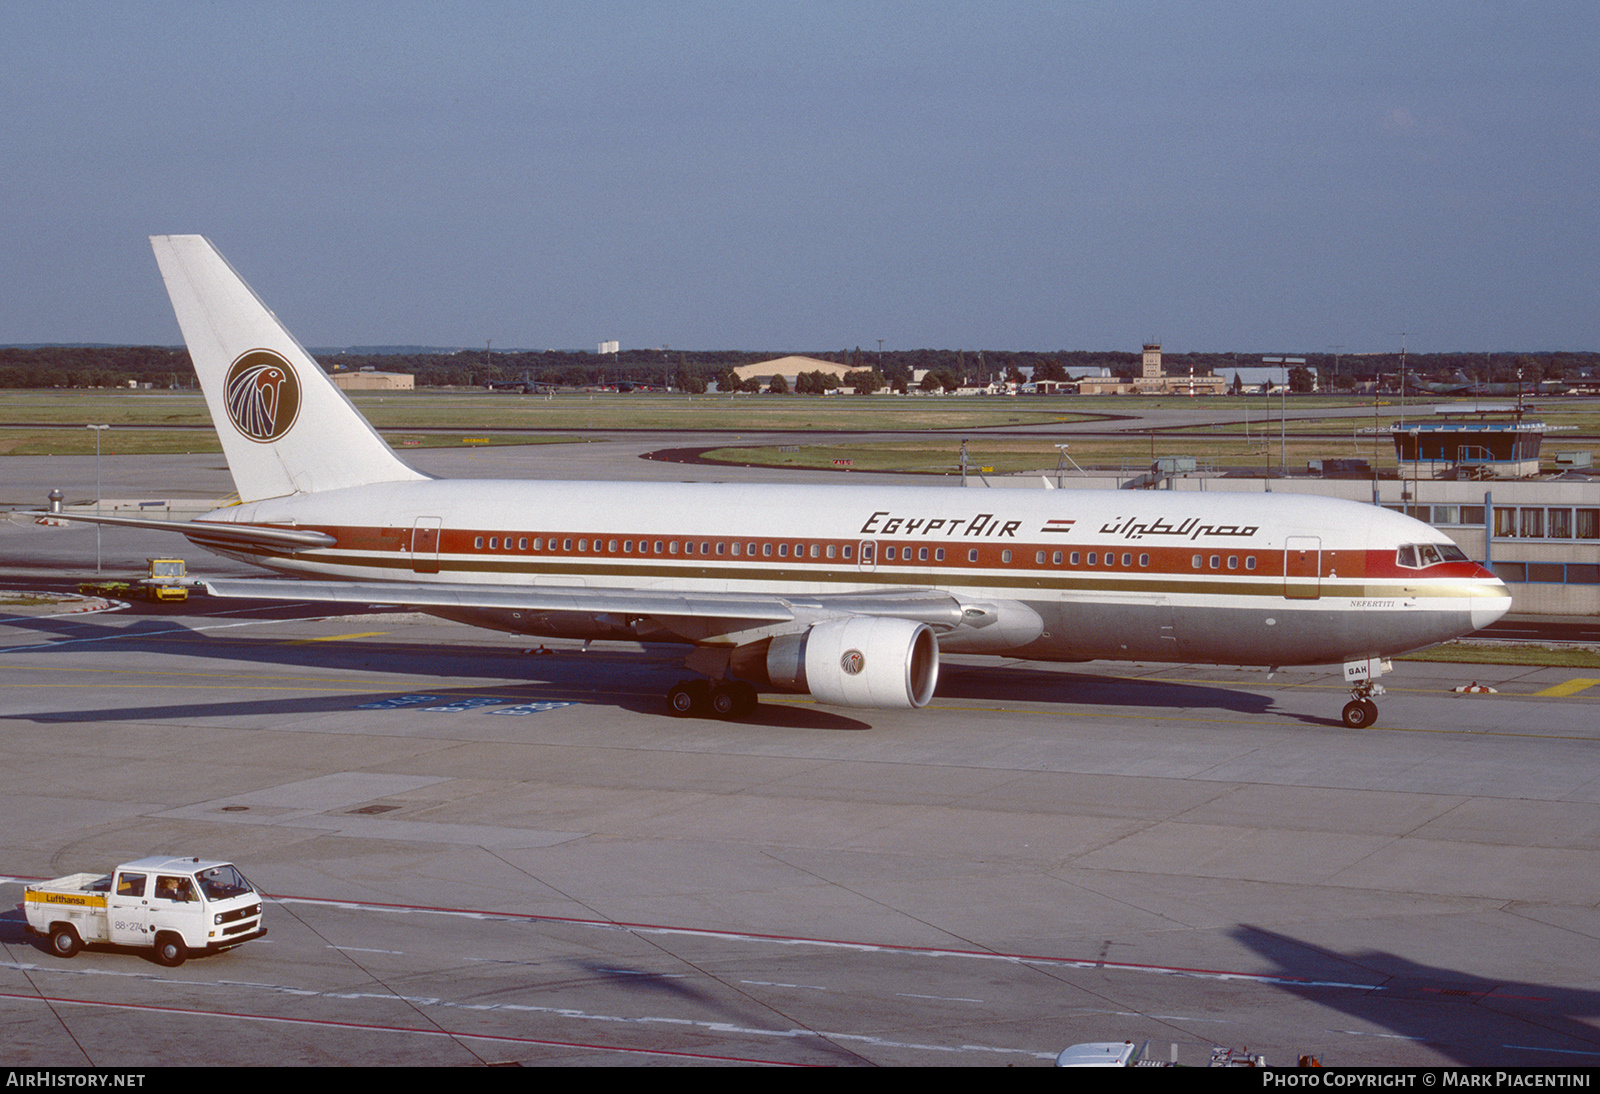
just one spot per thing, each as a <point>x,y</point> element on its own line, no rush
<point>64,941</point>
<point>170,951</point>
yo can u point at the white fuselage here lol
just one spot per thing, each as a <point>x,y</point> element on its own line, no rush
<point>1048,575</point>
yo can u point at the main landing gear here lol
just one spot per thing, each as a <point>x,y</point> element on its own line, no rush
<point>703,699</point>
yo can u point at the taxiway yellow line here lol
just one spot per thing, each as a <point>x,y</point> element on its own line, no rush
<point>1571,687</point>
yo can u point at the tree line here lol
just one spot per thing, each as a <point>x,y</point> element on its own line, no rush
<point>686,370</point>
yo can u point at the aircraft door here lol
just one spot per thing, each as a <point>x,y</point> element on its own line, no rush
<point>425,545</point>
<point>1168,643</point>
<point>1302,567</point>
<point>867,561</point>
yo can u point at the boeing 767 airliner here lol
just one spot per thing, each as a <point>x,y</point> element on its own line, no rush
<point>850,593</point>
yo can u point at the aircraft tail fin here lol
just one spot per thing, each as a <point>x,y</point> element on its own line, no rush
<point>285,427</point>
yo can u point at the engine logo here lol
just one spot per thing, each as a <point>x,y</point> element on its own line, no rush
<point>263,395</point>
<point>853,662</point>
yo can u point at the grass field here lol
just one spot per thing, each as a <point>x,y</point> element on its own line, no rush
<point>1008,455</point>
<point>1229,431</point>
<point>1228,441</point>
<point>1508,653</point>
<point>50,422</point>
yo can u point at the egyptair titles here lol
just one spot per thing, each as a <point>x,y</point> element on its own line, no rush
<point>1188,529</point>
<point>884,523</point>
<point>987,525</point>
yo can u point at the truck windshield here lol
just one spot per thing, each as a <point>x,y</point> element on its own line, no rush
<point>222,882</point>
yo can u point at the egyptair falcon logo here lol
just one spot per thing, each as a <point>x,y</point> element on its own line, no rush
<point>263,395</point>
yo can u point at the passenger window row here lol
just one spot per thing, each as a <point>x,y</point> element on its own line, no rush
<point>843,551</point>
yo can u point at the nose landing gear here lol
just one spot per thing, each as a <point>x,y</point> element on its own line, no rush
<point>1362,676</point>
<point>1361,711</point>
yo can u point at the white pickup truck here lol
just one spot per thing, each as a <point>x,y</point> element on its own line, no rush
<point>178,906</point>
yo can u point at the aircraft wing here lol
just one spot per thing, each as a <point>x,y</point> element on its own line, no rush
<point>715,613</point>
<point>207,533</point>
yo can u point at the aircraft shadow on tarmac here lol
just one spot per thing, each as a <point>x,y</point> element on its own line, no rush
<point>635,678</point>
<point>1474,1021</point>
<point>1019,683</point>
<point>630,679</point>
<point>467,661</point>
<point>768,715</point>
<point>621,675</point>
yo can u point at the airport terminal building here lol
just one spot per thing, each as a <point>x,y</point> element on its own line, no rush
<point>1540,536</point>
<point>1151,381</point>
<point>1474,473</point>
<point>368,379</point>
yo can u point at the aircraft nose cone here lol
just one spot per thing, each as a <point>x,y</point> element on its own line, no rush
<point>1486,609</point>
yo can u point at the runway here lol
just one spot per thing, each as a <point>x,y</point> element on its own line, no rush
<point>479,854</point>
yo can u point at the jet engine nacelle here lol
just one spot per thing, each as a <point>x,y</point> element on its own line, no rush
<point>863,661</point>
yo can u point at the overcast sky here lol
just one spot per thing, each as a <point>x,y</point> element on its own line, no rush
<point>1254,177</point>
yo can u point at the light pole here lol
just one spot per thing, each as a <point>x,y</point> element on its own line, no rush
<point>98,429</point>
<point>1403,374</point>
<point>1283,409</point>
<point>1416,472</point>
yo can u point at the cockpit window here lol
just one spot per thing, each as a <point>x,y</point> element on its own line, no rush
<point>1415,556</point>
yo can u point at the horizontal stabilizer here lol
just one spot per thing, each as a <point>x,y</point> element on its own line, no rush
<point>207,532</point>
